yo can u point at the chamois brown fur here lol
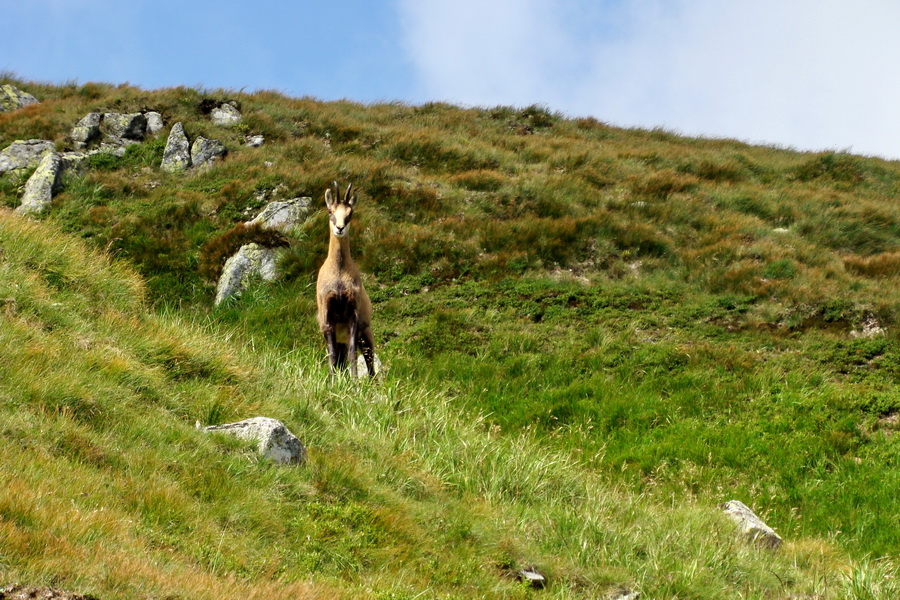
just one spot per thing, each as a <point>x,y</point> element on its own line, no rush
<point>344,308</point>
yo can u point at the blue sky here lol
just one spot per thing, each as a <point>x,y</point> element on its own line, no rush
<point>810,74</point>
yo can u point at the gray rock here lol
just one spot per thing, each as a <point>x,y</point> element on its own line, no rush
<point>177,155</point>
<point>12,98</point>
<point>123,128</point>
<point>274,440</point>
<point>24,154</point>
<point>75,162</point>
<point>41,186</point>
<point>283,215</point>
<point>251,262</point>
<point>750,525</point>
<point>154,122</point>
<point>254,141</point>
<point>86,130</point>
<point>205,151</point>
<point>226,114</point>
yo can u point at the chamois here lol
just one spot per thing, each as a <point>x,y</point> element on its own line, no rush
<point>344,309</point>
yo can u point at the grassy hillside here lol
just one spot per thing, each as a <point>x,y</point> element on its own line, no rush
<point>594,337</point>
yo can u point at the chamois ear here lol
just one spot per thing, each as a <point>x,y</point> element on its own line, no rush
<point>331,198</point>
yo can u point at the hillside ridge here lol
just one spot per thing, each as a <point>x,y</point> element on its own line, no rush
<point>593,338</point>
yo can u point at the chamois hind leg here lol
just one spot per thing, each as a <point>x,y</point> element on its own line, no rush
<point>332,350</point>
<point>351,348</point>
<point>337,352</point>
<point>367,343</point>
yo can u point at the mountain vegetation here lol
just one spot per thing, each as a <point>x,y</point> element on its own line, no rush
<point>592,338</point>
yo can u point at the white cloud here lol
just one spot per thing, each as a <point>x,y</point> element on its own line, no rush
<point>813,74</point>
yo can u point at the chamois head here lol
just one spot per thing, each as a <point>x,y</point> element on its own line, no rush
<point>340,211</point>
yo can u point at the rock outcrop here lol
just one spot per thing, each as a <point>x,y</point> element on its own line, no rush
<point>226,114</point>
<point>86,130</point>
<point>283,215</point>
<point>750,525</point>
<point>177,155</point>
<point>114,131</point>
<point>12,98</point>
<point>273,439</point>
<point>205,151</point>
<point>123,128</point>
<point>41,186</point>
<point>251,262</point>
<point>24,154</point>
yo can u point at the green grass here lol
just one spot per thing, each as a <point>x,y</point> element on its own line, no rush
<point>593,337</point>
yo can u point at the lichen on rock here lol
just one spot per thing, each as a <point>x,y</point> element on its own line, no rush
<point>12,98</point>
<point>40,187</point>
<point>24,154</point>
<point>205,151</point>
<point>177,155</point>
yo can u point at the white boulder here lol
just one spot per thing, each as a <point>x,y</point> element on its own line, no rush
<point>750,525</point>
<point>273,438</point>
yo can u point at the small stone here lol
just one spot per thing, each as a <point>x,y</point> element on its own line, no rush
<point>533,578</point>
<point>86,130</point>
<point>871,328</point>
<point>751,526</point>
<point>24,154</point>
<point>624,594</point>
<point>205,151</point>
<point>283,215</point>
<point>104,148</point>
<point>274,439</point>
<point>12,98</point>
<point>41,186</point>
<point>177,155</point>
<point>254,141</point>
<point>154,122</point>
<point>21,592</point>
<point>251,261</point>
<point>361,366</point>
<point>226,114</point>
